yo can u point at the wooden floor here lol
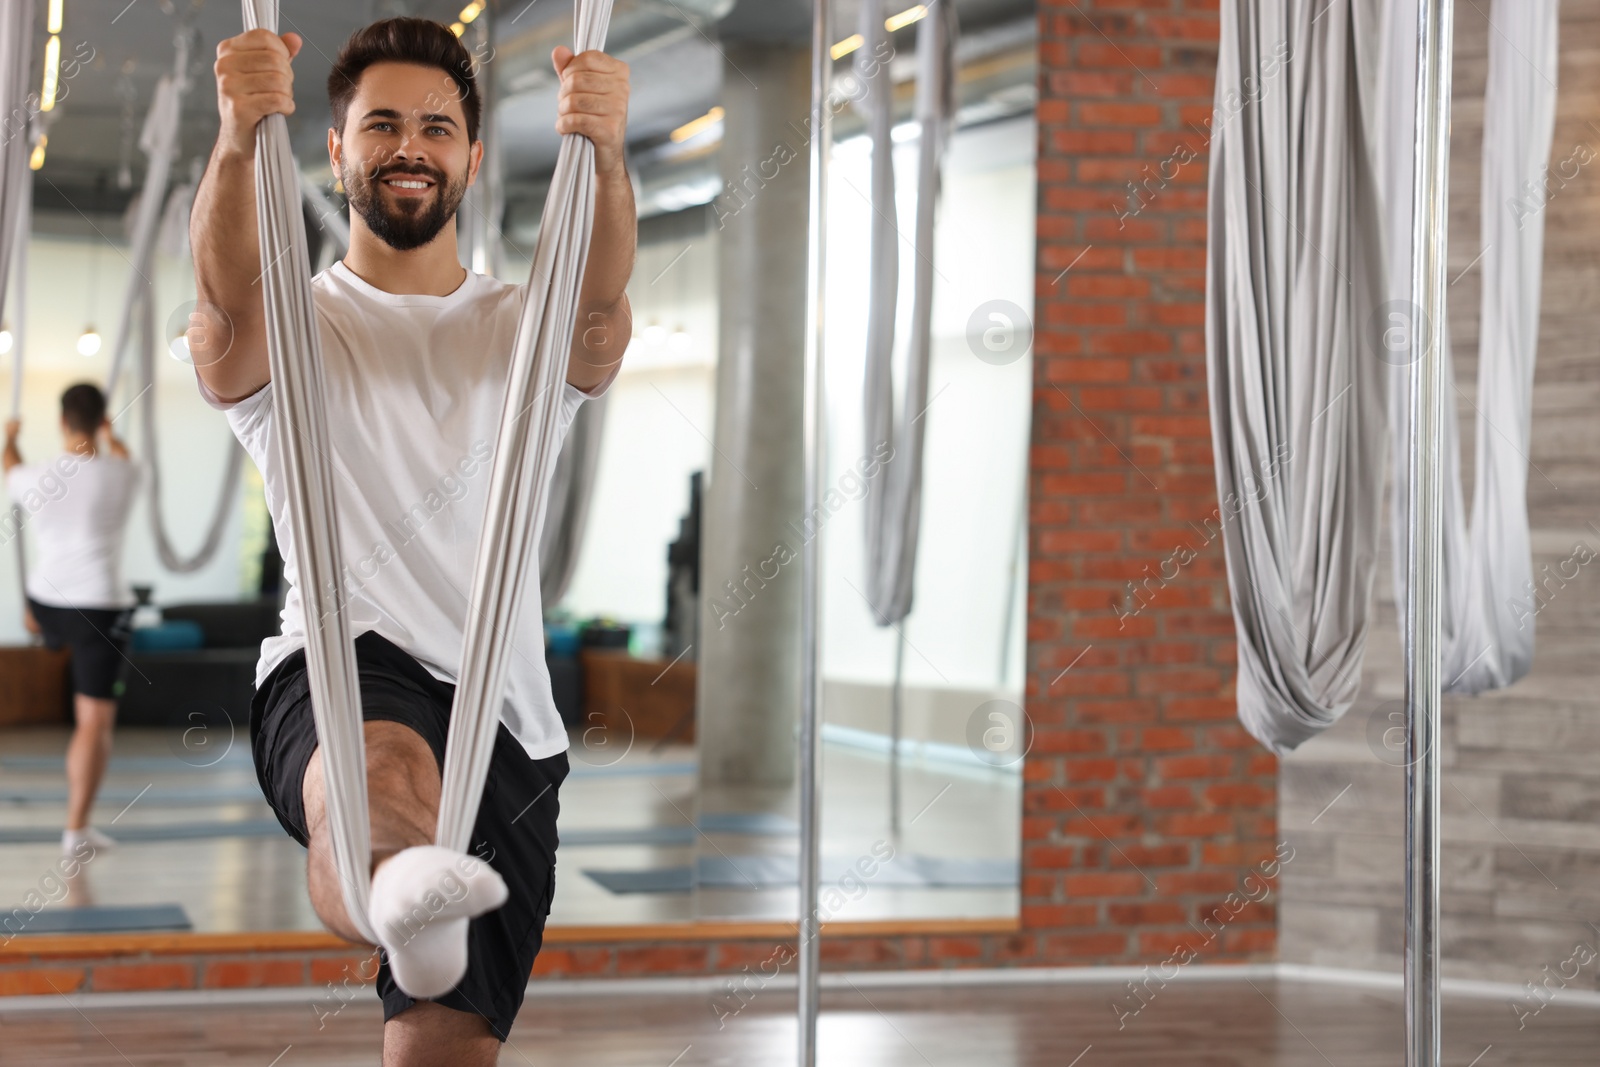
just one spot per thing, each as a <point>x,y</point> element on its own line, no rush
<point>1206,1024</point>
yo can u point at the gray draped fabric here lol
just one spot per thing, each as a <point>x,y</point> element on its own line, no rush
<point>16,113</point>
<point>159,141</point>
<point>894,505</point>
<point>570,493</point>
<point>16,191</point>
<point>299,439</point>
<point>524,464</point>
<point>1309,240</point>
<point>1488,616</point>
<point>231,471</point>
<point>1294,271</point>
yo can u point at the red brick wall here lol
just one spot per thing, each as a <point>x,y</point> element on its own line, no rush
<point>1145,803</point>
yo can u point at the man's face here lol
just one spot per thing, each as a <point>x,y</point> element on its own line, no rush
<point>403,154</point>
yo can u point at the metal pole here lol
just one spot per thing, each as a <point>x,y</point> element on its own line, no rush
<point>1429,239</point>
<point>895,730</point>
<point>815,439</point>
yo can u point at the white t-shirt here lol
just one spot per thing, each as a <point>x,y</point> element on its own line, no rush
<point>78,509</point>
<point>414,386</point>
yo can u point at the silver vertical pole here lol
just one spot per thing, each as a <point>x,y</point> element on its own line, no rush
<point>810,559</point>
<point>1429,239</point>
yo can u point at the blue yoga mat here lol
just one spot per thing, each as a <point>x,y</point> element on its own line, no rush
<point>99,920</point>
<point>123,794</point>
<point>782,872</point>
<point>238,756</point>
<point>128,834</point>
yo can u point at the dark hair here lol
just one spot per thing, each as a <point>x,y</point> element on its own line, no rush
<point>83,407</point>
<point>404,40</point>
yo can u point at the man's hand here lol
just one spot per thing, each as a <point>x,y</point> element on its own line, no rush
<point>11,457</point>
<point>108,441</point>
<point>254,80</point>
<point>594,102</point>
<point>29,623</point>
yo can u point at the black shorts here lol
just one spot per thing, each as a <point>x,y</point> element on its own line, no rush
<point>98,638</point>
<point>515,832</point>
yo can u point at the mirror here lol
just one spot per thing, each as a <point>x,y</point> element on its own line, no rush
<point>664,600</point>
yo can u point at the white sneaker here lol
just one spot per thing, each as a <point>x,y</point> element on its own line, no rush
<point>72,841</point>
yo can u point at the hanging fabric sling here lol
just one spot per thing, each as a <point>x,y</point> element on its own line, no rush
<point>159,141</point>
<point>1487,624</point>
<point>571,490</point>
<point>16,195</point>
<point>524,462</point>
<point>1300,353</point>
<point>894,506</point>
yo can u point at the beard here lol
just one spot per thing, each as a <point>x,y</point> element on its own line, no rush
<point>408,222</point>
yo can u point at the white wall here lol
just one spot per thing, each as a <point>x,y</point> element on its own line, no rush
<point>657,432</point>
<point>71,283</point>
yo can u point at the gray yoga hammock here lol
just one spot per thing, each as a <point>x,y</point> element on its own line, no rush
<point>1308,262</point>
<point>524,462</point>
<point>894,506</point>
<point>16,196</point>
<point>894,503</point>
<point>137,327</point>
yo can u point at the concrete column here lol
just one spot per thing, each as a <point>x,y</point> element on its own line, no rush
<point>749,654</point>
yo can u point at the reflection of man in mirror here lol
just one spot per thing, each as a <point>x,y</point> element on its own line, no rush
<point>415,356</point>
<point>78,506</point>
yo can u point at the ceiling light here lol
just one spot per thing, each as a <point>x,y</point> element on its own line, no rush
<point>54,20</point>
<point>5,341</point>
<point>89,342</point>
<point>697,126</point>
<point>471,11</point>
<point>458,28</point>
<point>52,66</point>
<point>892,23</point>
<point>905,18</point>
<point>36,160</point>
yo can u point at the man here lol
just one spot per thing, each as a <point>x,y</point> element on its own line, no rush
<point>78,504</point>
<point>415,355</point>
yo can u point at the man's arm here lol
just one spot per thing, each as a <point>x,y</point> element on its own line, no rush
<point>12,457</point>
<point>228,331</point>
<point>594,102</point>
<point>111,443</point>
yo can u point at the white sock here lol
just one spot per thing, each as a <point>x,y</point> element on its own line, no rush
<point>73,840</point>
<point>422,898</point>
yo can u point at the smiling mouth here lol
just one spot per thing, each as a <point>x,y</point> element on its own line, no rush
<point>408,183</point>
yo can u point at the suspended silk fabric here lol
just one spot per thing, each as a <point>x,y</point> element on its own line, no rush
<point>1301,350</point>
<point>232,468</point>
<point>1489,607</point>
<point>157,214</point>
<point>570,493</point>
<point>894,506</point>
<point>16,113</point>
<point>1294,269</point>
<point>158,139</point>
<point>16,195</point>
<point>524,463</point>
